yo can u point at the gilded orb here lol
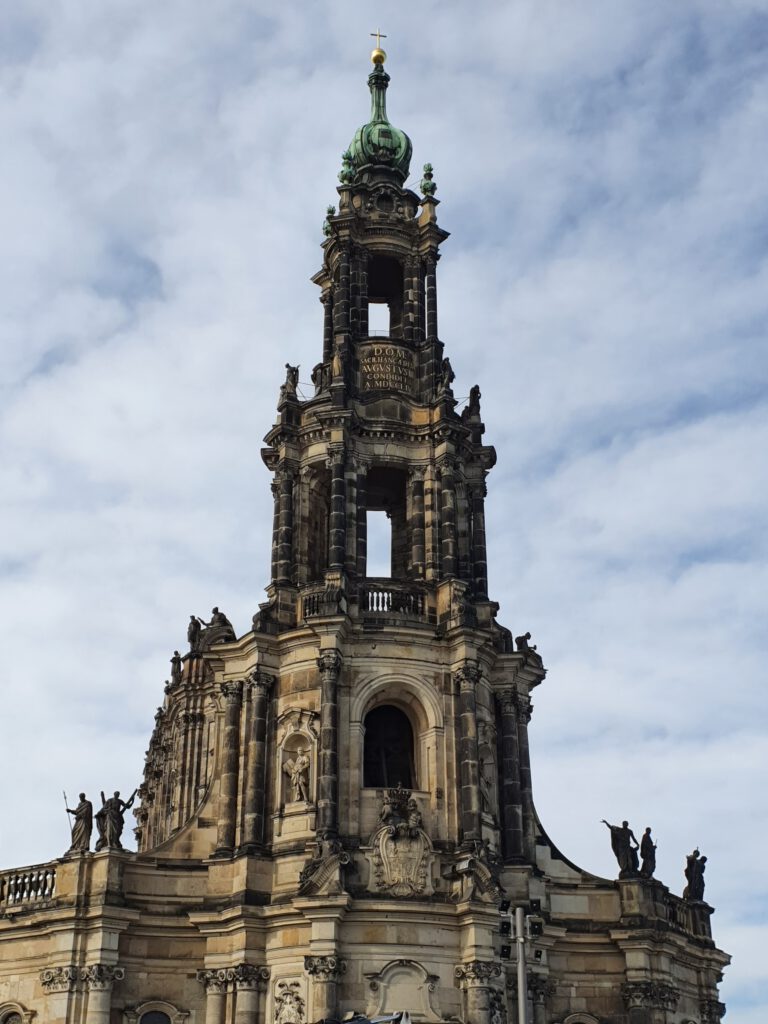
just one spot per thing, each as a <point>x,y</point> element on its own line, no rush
<point>378,56</point>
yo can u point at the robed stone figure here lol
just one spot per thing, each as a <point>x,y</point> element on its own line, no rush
<point>82,826</point>
<point>622,838</point>
<point>110,821</point>
<point>647,854</point>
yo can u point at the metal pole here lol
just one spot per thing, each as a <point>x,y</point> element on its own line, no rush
<point>522,988</point>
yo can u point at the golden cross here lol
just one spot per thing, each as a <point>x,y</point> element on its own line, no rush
<point>379,37</point>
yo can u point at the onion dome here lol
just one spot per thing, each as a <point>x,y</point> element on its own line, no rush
<point>379,150</point>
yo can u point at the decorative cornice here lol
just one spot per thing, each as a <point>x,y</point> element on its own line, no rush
<point>101,977</point>
<point>327,967</point>
<point>59,979</point>
<point>657,995</point>
<point>330,663</point>
<point>477,972</point>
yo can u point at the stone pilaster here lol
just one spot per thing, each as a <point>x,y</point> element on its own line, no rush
<point>327,300</point>
<point>468,677</point>
<point>255,795</point>
<point>275,488</point>
<point>431,297</point>
<point>215,985</point>
<point>475,979</point>
<point>417,524</point>
<point>58,983</point>
<point>479,553</point>
<point>524,711</point>
<point>511,796</point>
<point>285,481</point>
<point>249,983</point>
<point>337,548</point>
<point>325,972</point>
<point>230,757</point>
<point>99,980</point>
<point>448,552</point>
<point>361,467</point>
<point>329,665</point>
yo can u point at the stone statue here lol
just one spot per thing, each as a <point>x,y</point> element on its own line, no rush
<point>447,375</point>
<point>694,873</point>
<point>217,619</point>
<point>485,789</point>
<point>193,633</point>
<point>647,854</point>
<point>175,669</point>
<point>298,772</point>
<point>521,642</point>
<point>474,400</point>
<point>414,817</point>
<point>288,390</point>
<point>110,820</point>
<point>82,826</point>
<point>622,838</point>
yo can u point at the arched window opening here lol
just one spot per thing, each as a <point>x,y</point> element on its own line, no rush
<point>385,289</point>
<point>386,493</point>
<point>155,1017</point>
<point>388,754</point>
<point>318,512</point>
<point>12,1018</point>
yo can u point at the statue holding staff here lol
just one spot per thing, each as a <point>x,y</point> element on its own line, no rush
<point>82,826</point>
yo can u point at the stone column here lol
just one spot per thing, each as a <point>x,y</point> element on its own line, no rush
<point>99,979</point>
<point>255,792</point>
<point>418,551</point>
<point>325,972</point>
<point>285,481</point>
<point>249,983</point>
<point>524,711</point>
<point>362,508</point>
<point>431,298</point>
<point>338,519</point>
<point>275,525</point>
<point>327,300</point>
<point>341,296</point>
<point>468,677</point>
<point>540,989</point>
<point>329,664</point>
<point>511,797</point>
<point>447,519</point>
<point>230,760</point>
<point>479,553</point>
<point>58,983</point>
<point>215,985</point>
<point>475,981</point>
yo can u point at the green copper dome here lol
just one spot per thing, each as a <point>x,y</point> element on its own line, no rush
<point>379,149</point>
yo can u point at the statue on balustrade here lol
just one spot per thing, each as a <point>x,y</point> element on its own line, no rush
<point>298,772</point>
<point>218,630</point>
<point>647,854</point>
<point>82,826</point>
<point>622,838</point>
<point>694,873</point>
<point>110,821</point>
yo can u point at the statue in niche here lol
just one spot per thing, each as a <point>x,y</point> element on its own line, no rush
<point>622,838</point>
<point>647,854</point>
<point>110,820</point>
<point>694,874</point>
<point>297,769</point>
<point>82,826</point>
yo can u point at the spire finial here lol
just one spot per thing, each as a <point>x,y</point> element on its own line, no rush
<point>378,56</point>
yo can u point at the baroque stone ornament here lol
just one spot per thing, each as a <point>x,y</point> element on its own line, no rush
<point>213,980</point>
<point>408,983</point>
<point>649,995</point>
<point>323,874</point>
<point>101,977</point>
<point>82,826</point>
<point>694,874</point>
<point>110,820</point>
<point>289,1003</point>
<point>477,972</point>
<point>497,1006</point>
<point>622,838</point>
<point>712,1011</point>
<point>59,979</point>
<point>326,967</point>
<point>400,851</point>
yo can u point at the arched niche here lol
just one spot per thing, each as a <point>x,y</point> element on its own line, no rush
<point>404,983</point>
<point>388,749</point>
<point>580,1018</point>
<point>295,761</point>
<point>155,1011</point>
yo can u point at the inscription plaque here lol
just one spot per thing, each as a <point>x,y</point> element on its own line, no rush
<point>387,367</point>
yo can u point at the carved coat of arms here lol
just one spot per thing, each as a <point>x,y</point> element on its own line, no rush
<point>400,851</point>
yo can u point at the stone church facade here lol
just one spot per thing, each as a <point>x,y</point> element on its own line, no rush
<point>335,803</point>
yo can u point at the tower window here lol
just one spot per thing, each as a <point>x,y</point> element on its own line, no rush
<point>388,755</point>
<point>385,291</point>
<point>378,544</point>
<point>386,523</point>
<point>378,319</point>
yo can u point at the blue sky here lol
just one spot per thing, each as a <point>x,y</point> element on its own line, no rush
<point>165,175</point>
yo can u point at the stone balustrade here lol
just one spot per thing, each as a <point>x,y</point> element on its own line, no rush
<point>386,598</point>
<point>21,887</point>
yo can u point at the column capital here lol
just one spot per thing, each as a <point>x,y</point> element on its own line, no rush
<point>261,682</point>
<point>337,451</point>
<point>654,994</point>
<point>477,972</point>
<point>468,676</point>
<point>232,691</point>
<point>213,981</point>
<point>101,977</point>
<point>326,967</point>
<point>59,979</point>
<point>250,977</point>
<point>329,663</point>
<point>507,702</point>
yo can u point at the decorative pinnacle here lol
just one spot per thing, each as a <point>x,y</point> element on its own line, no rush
<point>378,56</point>
<point>427,185</point>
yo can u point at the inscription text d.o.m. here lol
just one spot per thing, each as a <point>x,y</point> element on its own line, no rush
<point>386,367</point>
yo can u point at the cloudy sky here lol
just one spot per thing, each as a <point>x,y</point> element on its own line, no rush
<point>601,166</point>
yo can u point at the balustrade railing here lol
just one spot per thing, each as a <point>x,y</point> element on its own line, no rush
<point>321,601</point>
<point>385,598</point>
<point>23,886</point>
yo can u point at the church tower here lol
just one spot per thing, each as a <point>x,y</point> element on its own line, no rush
<point>336,804</point>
